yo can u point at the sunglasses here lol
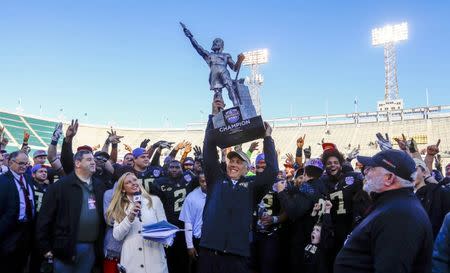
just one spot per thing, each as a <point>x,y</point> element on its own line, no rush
<point>101,158</point>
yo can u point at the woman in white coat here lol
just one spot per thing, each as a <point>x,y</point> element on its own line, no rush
<point>138,255</point>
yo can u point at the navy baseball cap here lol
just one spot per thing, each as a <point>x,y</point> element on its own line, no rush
<point>188,161</point>
<point>314,162</point>
<point>395,161</point>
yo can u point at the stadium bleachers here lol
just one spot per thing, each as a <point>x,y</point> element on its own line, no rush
<point>345,135</point>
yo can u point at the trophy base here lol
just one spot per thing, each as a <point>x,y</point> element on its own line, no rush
<point>234,126</point>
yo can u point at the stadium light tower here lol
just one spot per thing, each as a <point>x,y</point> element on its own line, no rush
<point>253,59</point>
<point>387,36</point>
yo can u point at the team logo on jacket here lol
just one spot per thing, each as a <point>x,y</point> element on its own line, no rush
<point>243,184</point>
<point>349,180</point>
<point>188,178</point>
<point>232,115</point>
<point>156,173</point>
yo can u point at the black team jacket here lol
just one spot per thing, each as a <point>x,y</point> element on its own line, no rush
<point>395,237</point>
<point>227,216</point>
<point>57,224</point>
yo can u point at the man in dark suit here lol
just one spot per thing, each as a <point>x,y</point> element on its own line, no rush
<point>17,212</point>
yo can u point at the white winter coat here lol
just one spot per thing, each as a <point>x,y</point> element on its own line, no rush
<point>139,255</point>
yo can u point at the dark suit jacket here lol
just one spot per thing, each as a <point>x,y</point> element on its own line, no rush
<point>11,236</point>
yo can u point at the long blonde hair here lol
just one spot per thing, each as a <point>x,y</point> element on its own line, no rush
<point>120,201</point>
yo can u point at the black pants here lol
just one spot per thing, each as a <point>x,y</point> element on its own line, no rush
<point>177,257</point>
<point>265,253</point>
<point>193,263</point>
<point>15,252</point>
<point>215,262</point>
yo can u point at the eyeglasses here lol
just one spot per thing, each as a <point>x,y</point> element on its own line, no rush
<point>20,163</point>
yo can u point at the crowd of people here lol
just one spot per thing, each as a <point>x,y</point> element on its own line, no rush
<point>84,210</point>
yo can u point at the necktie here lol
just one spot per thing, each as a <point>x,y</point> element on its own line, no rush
<point>26,195</point>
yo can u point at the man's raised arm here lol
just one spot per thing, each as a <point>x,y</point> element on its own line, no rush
<point>210,156</point>
<point>268,176</point>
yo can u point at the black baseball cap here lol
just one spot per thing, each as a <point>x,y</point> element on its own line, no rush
<point>395,161</point>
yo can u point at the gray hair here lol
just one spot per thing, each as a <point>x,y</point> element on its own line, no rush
<point>403,182</point>
<point>15,154</point>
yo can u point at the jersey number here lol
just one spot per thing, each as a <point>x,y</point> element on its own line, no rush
<point>340,197</point>
<point>179,196</point>
<point>146,183</point>
<point>268,203</point>
<point>38,200</point>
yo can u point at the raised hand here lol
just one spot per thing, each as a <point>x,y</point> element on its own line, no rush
<point>353,154</point>
<point>188,148</point>
<point>113,137</point>
<point>238,148</point>
<point>433,149</point>
<point>72,129</point>
<point>198,152</point>
<point>401,142</point>
<point>128,148</point>
<point>217,106</point>
<point>384,143</point>
<point>301,141</point>
<point>165,144</point>
<point>289,158</point>
<point>253,146</point>
<point>307,152</point>
<point>96,147</point>
<point>268,129</point>
<point>3,140</point>
<point>181,145</point>
<point>144,143</point>
<point>438,162</point>
<point>317,207</point>
<point>412,146</point>
<point>26,137</point>
<point>57,133</point>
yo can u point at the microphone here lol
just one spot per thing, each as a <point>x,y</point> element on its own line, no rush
<point>137,199</point>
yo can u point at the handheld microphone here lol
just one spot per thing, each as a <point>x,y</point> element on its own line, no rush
<point>137,199</point>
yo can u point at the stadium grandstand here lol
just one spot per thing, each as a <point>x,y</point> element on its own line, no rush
<point>425,124</point>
